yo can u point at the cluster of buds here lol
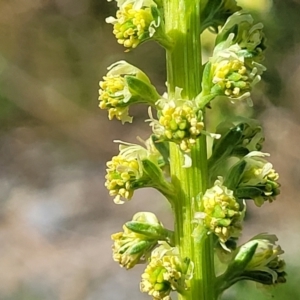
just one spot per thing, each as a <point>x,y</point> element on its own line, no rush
<point>180,121</point>
<point>221,214</point>
<point>166,272</point>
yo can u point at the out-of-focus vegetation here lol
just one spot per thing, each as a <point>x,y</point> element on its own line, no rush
<point>55,215</point>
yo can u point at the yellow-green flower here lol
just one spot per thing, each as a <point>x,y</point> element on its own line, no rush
<point>134,22</point>
<point>165,273</point>
<point>179,121</point>
<point>123,86</point>
<point>133,246</point>
<point>221,212</point>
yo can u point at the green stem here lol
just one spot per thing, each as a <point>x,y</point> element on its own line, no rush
<point>184,70</point>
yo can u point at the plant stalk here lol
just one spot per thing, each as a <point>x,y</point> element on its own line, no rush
<point>184,70</point>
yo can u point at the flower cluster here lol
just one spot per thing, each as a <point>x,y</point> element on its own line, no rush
<point>166,272</point>
<point>138,238</point>
<point>231,76</point>
<point>134,22</point>
<point>221,212</point>
<point>123,86</point>
<point>135,167</point>
<point>233,69</point>
<point>180,121</point>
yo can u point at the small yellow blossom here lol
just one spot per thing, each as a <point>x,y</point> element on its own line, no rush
<point>121,174</point>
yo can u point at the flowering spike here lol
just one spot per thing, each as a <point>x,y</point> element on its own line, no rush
<point>166,272</point>
<point>123,86</point>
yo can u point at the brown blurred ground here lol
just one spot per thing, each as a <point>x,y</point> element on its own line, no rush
<point>55,215</point>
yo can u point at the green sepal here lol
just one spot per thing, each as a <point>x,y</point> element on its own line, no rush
<point>148,230</point>
<point>225,146</point>
<point>155,12</point>
<point>160,35</point>
<point>234,175</point>
<point>206,79</point>
<point>258,276</point>
<point>141,246</point>
<point>152,170</point>
<point>248,192</point>
<point>162,147</point>
<point>243,257</point>
<point>145,91</point>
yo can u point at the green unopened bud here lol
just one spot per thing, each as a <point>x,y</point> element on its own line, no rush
<point>146,223</point>
<point>123,86</point>
<point>138,238</point>
<point>259,180</point>
<point>166,272</point>
<point>221,213</point>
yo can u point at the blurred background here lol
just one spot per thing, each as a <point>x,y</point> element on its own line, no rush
<point>56,217</point>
